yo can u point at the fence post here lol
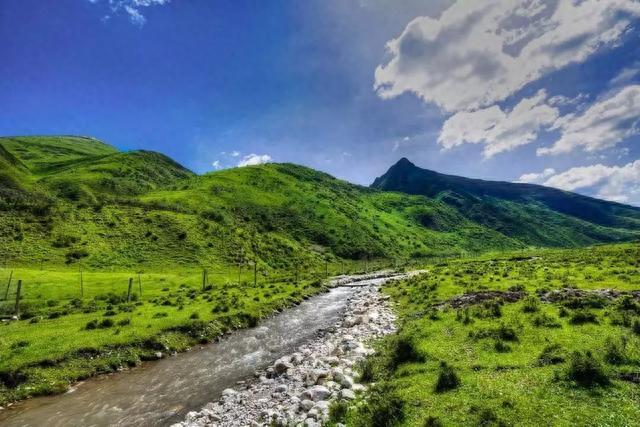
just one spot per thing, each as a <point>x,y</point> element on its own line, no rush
<point>139,284</point>
<point>204,278</point>
<point>81,283</point>
<point>17,308</point>
<point>6,292</point>
<point>129,290</point>
<point>255,272</point>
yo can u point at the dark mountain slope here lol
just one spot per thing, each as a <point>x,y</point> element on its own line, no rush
<point>532,213</point>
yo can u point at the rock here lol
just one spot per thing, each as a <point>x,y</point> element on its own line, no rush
<point>346,382</point>
<point>358,388</point>
<point>306,405</point>
<point>347,394</point>
<point>316,393</point>
<point>281,388</point>
<point>158,355</point>
<point>228,392</point>
<point>282,365</point>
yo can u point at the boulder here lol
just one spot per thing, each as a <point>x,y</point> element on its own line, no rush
<point>316,393</point>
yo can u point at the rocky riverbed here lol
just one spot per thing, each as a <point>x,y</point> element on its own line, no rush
<point>299,388</point>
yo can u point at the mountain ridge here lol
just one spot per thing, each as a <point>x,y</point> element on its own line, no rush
<point>77,199</point>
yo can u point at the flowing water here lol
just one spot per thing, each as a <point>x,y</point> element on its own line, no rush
<point>162,392</point>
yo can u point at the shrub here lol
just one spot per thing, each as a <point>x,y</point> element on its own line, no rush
<point>338,411</point>
<point>544,320</point>
<point>531,304</point>
<point>614,353</point>
<point>124,322</point>
<point>92,324</point>
<point>433,422</point>
<point>501,347</point>
<point>586,371</point>
<point>552,354</point>
<point>502,332</point>
<point>383,409</point>
<point>635,326</point>
<point>447,379</point>
<point>580,317</point>
<point>106,323</point>
<point>194,316</point>
<point>403,350</point>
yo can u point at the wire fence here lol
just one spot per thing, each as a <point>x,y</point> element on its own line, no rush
<point>22,286</point>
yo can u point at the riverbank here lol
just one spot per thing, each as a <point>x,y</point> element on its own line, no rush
<point>300,387</point>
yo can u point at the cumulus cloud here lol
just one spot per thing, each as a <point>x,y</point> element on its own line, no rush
<point>254,159</point>
<point>216,165</point>
<point>133,8</point>
<point>478,53</point>
<point>530,178</point>
<point>616,183</point>
<point>499,130</point>
<point>603,125</point>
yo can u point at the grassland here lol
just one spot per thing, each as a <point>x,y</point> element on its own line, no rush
<point>71,204</point>
<point>66,332</point>
<point>526,356</point>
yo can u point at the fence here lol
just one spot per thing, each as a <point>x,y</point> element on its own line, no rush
<point>27,286</point>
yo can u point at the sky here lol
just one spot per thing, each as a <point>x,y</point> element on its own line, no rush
<point>539,91</point>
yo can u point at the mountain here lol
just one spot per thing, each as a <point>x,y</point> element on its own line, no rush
<point>68,200</point>
<point>75,199</point>
<point>533,214</point>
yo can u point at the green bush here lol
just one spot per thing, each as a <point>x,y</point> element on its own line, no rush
<point>552,354</point>
<point>447,379</point>
<point>586,371</point>
<point>403,350</point>
<point>531,304</point>
<point>382,409</point>
<point>614,353</point>
<point>580,317</point>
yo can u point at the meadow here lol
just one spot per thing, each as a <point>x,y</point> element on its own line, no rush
<point>547,338</point>
<point>73,324</point>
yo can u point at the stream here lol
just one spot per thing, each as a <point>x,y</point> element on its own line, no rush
<point>162,392</point>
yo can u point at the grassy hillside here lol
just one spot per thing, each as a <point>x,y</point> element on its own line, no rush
<point>77,200</point>
<point>118,210</point>
<point>550,338</point>
<point>530,213</point>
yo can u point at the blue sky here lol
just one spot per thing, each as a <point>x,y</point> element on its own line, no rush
<point>544,91</point>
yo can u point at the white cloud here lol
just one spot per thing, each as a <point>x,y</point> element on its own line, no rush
<point>480,52</point>
<point>530,178</point>
<point>254,159</point>
<point>234,154</point>
<point>499,130</point>
<point>626,75</point>
<point>603,125</point>
<point>616,183</point>
<point>216,165</point>
<point>132,8</point>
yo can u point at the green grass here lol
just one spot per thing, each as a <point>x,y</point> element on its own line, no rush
<point>496,352</point>
<point>63,337</point>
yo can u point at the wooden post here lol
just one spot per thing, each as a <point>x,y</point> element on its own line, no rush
<point>81,283</point>
<point>129,290</point>
<point>139,284</point>
<point>255,272</point>
<point>17,308</point>
<point>6,292</point>
<point>204,278</point>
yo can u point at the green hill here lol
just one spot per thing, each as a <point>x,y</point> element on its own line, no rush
<point>533,214</point>
<point>73,199</point>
